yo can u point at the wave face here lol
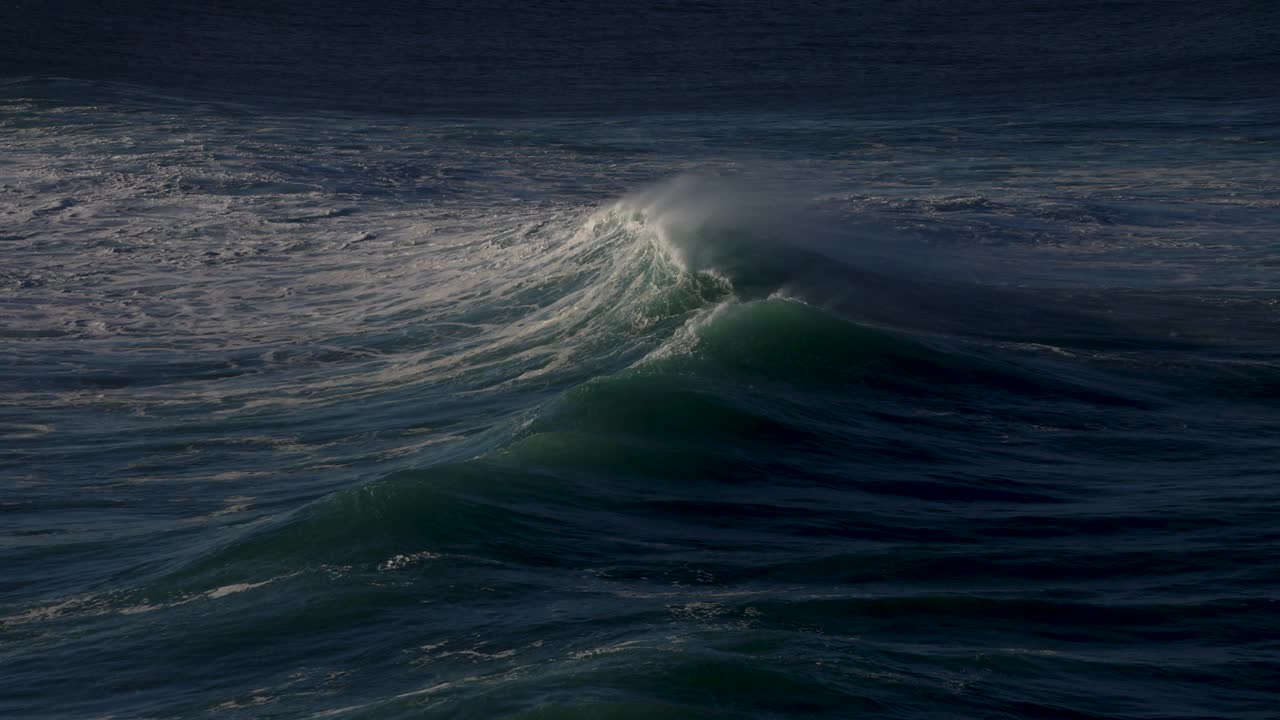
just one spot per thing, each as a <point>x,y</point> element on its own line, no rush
<point>370,415</point>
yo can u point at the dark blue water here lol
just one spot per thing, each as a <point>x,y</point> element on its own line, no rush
<point>665,360</point>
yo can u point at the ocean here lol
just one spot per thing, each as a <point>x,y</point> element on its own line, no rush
<point>640,360</point>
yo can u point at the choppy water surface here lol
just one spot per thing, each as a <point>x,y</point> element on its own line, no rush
<point>911,409</point>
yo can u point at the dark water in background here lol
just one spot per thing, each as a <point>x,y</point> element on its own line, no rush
<point>626,58</point>
<point>699,360</point>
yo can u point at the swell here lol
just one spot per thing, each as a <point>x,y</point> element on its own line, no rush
<point>700,434</point>
<point>663,347</point>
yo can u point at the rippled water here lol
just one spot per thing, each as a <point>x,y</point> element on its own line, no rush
<point>925,407</point>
